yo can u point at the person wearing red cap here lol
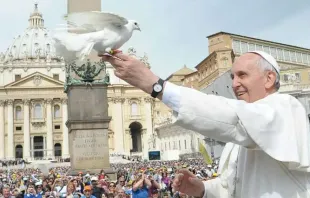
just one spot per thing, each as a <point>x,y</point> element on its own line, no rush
<point>268,145</point>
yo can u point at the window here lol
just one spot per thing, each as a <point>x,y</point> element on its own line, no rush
<point>293,56</point>
<point>304,59</point>
<point>17,77</point>
<point>251,47</point>
<point>48,48</point>
<point>236,46</point>
<point>244,47</point>
<point>185,144</point>
<point>18,128</point>
<point>180,144</point>
<point>280,54</point>
<point>57,127</point>
<point>266,49</point>
<point>56,76</point>
<point>298,78</point>
<point>259,47</point>
<point>57,111</point>
<point>134,109</point>
<point>286,55</point>
<point>285,78</point>
<point>38,111</point>
<point>273,52</point>
<point>225,61</point>
<point>18,113</point>
<point>298,57</point>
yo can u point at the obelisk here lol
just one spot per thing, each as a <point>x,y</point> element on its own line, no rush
<point>88,119</point>
<point>84,6</point>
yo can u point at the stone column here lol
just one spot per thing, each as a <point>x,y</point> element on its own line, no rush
<point>49,125</point>
<point>32,147</point>
<point>65,132</point>
<point>148,102</point>
<point>118,124</point>
<point>44,147</point>
<point>26,130</point>
<point>10,142</point>
<point>2,136</point>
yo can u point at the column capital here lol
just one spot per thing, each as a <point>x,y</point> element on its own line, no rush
<point>26,101</point>
<point>148,99</point>
<point>64,100</point>
<point>132,100</point>
<point>48,100</point>
<point>118,100</point>
<point>10,102</point>
<point>2,103</point>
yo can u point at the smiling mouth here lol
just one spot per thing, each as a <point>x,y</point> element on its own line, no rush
<point>240,94</point>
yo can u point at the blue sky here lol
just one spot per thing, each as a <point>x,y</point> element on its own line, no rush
<point>174,31</point>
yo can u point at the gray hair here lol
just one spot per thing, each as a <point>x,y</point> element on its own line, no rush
<point>266,66</point>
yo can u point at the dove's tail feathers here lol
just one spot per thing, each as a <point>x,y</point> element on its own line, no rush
<point>62,51</point>
<point>85,52</point>
<point>65,46</point>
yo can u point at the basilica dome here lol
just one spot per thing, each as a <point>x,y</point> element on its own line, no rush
<point>34,44</point>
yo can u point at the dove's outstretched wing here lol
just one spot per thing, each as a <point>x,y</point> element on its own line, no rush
<point>94,21</point>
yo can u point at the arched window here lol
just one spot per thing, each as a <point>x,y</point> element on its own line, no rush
<point>57,150</point>
<point>56,111</point>
<point>18,151</point>
<point>38,111</point>
<point>18,113</point>
<point>134,109</point>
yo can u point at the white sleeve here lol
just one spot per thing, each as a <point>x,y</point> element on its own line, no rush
<point>206,114</point>
<point>171,96</point>
<point>215,189</point>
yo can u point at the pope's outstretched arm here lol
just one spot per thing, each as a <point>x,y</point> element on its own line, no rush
<point>209,115</point>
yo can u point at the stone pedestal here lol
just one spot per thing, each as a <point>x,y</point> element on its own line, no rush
<point>88,124</point>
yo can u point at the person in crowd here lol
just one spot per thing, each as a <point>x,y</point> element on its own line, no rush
<point>88,192</point>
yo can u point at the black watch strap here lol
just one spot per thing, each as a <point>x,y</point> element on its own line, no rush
<point>161,82</point>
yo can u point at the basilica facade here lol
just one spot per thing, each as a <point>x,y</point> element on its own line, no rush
<point>33,105</point>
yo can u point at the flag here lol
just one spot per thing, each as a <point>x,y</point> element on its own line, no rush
<point>205,154</point>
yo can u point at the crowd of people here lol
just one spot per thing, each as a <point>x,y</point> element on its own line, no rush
<point>136,179</point>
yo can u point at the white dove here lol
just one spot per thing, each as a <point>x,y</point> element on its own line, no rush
<point>103,32</point>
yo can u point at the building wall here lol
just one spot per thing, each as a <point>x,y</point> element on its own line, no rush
<point>221,41</point>
<point>191,80</point>
<point>175,139</point>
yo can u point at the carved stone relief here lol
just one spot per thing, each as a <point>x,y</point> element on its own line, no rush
<point>37,80</point>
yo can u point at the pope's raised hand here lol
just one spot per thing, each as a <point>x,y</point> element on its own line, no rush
<point>132,71</point>
<point>187,183</point>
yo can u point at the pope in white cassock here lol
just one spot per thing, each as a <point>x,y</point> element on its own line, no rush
<point>267,133</point>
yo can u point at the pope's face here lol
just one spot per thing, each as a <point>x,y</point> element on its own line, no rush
<point>250,82</point>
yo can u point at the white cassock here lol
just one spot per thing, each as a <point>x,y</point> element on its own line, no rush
<point>267,154</point>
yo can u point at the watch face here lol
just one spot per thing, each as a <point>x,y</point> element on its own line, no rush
<point>158,88</point>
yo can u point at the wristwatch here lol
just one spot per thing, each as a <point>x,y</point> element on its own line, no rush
<point>157,87</point>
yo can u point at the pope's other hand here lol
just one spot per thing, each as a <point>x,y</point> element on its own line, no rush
<point>187,183</point>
